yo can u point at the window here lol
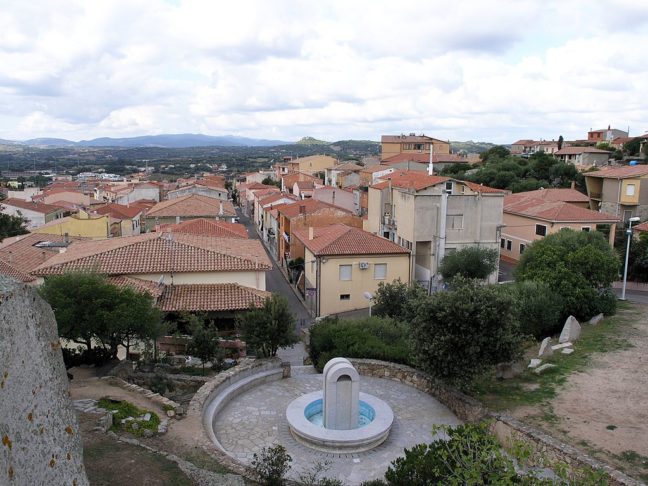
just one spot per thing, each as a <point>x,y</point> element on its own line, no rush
<point>586,228</point>
<point>380,271</point>
<point>345,272</point>
<point>345,296</point>
<point>541,230</point>
<point>630,190</point>
<point>448,186</point>
<point>455,221</point>
<point>502,243</point>
<point>509,245</point>
<point>522,248</point>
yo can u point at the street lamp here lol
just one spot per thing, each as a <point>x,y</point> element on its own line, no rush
<point>369,296</point>
<point>625,267</point>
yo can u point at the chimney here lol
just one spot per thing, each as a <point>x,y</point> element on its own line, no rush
<point>333,198</point>
<point>66,238</point>
<point>302,209</point>
<point>177,219</point>
<point>431,164</point>
<point>311,232</point>
<point>573,185</point>
<point>220,209</point>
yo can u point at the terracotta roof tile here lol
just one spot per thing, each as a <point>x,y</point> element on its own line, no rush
<point>207,227</point>
<point>119,211</point>
<point>550,195</point>
<point>32,206</point>
<point>340,239</point>
<point>416,180</point>
<point>276,197</point>
<point>7,268</point>
<point>22,253</point>
<point>620,172</point>
<point>193,205</point>
<point>160,253</point>
<point>580,150</point>
<point>210,297</point>
<point>555,211</point>
<point>309,206</point>
<point>137,284</point>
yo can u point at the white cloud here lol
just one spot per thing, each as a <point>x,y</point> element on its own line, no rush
<point>491,70</point>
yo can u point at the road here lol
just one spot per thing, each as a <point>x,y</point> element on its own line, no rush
<point>275,280</point>
<point>635,296</point>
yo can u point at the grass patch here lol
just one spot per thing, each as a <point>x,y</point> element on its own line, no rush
<point>124,410</point>
<point>201,459</point>
<point>531,389</point>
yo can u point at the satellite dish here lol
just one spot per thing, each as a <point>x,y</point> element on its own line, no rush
<point>368,295</point>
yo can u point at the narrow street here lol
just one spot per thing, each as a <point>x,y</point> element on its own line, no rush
<point>276,282</point>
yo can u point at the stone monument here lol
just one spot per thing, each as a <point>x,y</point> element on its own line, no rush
<point>341,395</point>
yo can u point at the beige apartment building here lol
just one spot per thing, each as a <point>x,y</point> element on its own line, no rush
<point>620,191</point>
<point>432,216</point>
<point>532,215</point>
<point>409,144</point>
<point>342,264</point>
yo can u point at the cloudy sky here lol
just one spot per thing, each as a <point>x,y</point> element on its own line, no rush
<point>481,70</point>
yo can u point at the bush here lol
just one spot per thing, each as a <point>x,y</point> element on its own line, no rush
<point>124,410</point>
<point>97,356</point>
<point>537,308</point>
<point>458,334</point>
<point>271,465</point>
<point>578,266</point>
<point>397,300</point>
<point>369,337</point>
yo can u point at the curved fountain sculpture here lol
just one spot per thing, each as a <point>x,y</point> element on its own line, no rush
<point>340,418</point>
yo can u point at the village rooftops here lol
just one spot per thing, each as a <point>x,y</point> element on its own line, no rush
<point>415,180</point>
<point>119,211</point>
<point>554,211</point>
<point>210,297</point>
<point>152,253</point>
<point>550,195</point>
<point>340,239</point>
<point>581,150</point>
<point>193,205</point>
<point>307,206</point>
<point>627,172</point>
<point>207,227</point>
<point>31,206</point>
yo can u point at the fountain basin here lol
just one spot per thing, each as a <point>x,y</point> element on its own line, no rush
<point>359,439</point>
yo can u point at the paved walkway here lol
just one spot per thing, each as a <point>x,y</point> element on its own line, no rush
<point>256,419</point>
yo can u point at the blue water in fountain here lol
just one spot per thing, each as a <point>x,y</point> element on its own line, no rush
<point>313,413</point>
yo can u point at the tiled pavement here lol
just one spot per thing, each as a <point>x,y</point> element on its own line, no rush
<point>256,419</point>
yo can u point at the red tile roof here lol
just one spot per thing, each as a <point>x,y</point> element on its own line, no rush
<point>210,297</point>
<point>554,211</point>
<point>641,227</point>
<point>349,166</point>
<point>139,285</point>
<point>375,168</point>
<point>482,188</point>
<point>276,197</point>
<point>21,252</point>
<point>305,185</point>
<point>193,205</point>
<point>580,150</point>
<point>566,195</point>
<point>7,268</point>
<point>309,206</point>
<point>160,253</point>
<point>340,239</point>
<point>32,206</point>
<point>620,172</point>
<point>119,211</point>
<point>416,180</point>
<point>207,227</point>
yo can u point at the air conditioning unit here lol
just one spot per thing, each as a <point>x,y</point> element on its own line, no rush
<point>364,265</point>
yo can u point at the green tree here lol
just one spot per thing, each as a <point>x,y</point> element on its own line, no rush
<point>632,147</point>
<point>469,262</point>
<point>499,151</point>
<point>204,341</point>
<point>537,308</point>
<point>270,327</point>
<point>397,300</point>
<point>577,265</point>
<point>638,259</point>
<point>269,181</point>
<point>11,226</point>
<point>88,308</point>
<point>561,140</point>
<point>271,465</point>
<point>459,333</point>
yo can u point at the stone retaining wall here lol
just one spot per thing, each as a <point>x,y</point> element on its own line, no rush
<point>154,397</point>
<point>504,426</point>
<point>209,391</point>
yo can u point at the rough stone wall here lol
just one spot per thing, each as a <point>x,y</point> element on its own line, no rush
<point>40,436</point>
<point>504,426</point>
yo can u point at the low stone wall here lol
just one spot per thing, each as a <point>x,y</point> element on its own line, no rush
<point>154,397</point>
<point>209,392</point>
<point>505,427</point>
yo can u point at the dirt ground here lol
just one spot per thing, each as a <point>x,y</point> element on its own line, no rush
<point>604,410</point>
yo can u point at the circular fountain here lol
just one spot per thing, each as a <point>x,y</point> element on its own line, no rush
<point>339,418</point>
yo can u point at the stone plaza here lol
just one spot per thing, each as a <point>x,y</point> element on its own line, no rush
<point>257,419</point>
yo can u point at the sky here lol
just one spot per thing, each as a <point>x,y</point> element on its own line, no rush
<point>478,70</point>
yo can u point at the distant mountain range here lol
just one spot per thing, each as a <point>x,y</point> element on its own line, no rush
<point>183,140</point>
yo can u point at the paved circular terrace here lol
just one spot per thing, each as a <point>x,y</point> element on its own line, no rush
<point>257,419</point>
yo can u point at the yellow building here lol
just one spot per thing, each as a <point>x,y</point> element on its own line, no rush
<point>621,191</point>
<point>391,145</point>
<point>312,164</point>
<point>343,265</point>
<point>81,224</point>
